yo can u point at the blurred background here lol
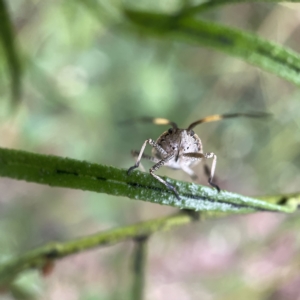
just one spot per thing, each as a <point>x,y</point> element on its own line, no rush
<point>84,73</point>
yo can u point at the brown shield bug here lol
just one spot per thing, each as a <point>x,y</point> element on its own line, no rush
<point>181,148</point>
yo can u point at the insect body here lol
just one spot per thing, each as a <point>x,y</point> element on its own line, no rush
<point>181,148</point>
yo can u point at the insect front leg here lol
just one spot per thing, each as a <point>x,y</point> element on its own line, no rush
<point>141,154</point>
<point>207,172</point>
<point>212,170</point>
<point>136,153</point>
<point>198,156</point>
<point>156,167</point>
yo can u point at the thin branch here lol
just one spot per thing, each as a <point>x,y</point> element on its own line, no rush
<point>41,257</point>
<point>65,172</point>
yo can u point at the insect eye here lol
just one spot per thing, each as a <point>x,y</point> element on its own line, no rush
<point>192,132</point>
<point>170,130</point>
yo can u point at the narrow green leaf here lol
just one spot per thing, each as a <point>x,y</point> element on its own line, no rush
<point>192,10</point>
<point>8,41</point>
<point>264,54</point>
<point>64,172</point>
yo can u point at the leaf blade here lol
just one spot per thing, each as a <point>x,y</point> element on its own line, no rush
<point>210,4</point>
<point>267,55</point>
<point>70,173</point>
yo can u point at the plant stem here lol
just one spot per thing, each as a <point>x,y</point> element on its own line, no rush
<point>139,266</point>
<point>40,257</point>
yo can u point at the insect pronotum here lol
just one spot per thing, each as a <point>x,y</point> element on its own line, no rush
<point>181,148</point>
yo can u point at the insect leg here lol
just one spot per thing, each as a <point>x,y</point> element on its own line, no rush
<point>192,156</point>
<point>151,143</point>
<point>136,153</point>
<point>189,171</point>
<point>212,170</point>
<point>156,167</point>
<point>198,156</point>
<point>145,156</point>
<point>206,170</point>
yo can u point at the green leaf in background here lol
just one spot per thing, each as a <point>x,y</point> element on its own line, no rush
<point>9,46</point>
<point>123,76</point>
<point>212,4</point>
<point>264,54</point>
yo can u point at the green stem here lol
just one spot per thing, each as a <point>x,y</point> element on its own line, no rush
<point>38,258</point>
<point>71,173</point>
<point>139,265</point>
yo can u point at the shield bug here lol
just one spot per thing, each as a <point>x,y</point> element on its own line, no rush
<point>181,148</point>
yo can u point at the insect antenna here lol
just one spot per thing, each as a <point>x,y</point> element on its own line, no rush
<point>156,121</point>
<point>214,118</point>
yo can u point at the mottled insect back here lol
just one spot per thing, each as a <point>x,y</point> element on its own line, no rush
<point>181,148</point>
<point>181,142</point>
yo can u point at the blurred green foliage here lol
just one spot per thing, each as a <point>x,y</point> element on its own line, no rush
<point>84,71</point>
